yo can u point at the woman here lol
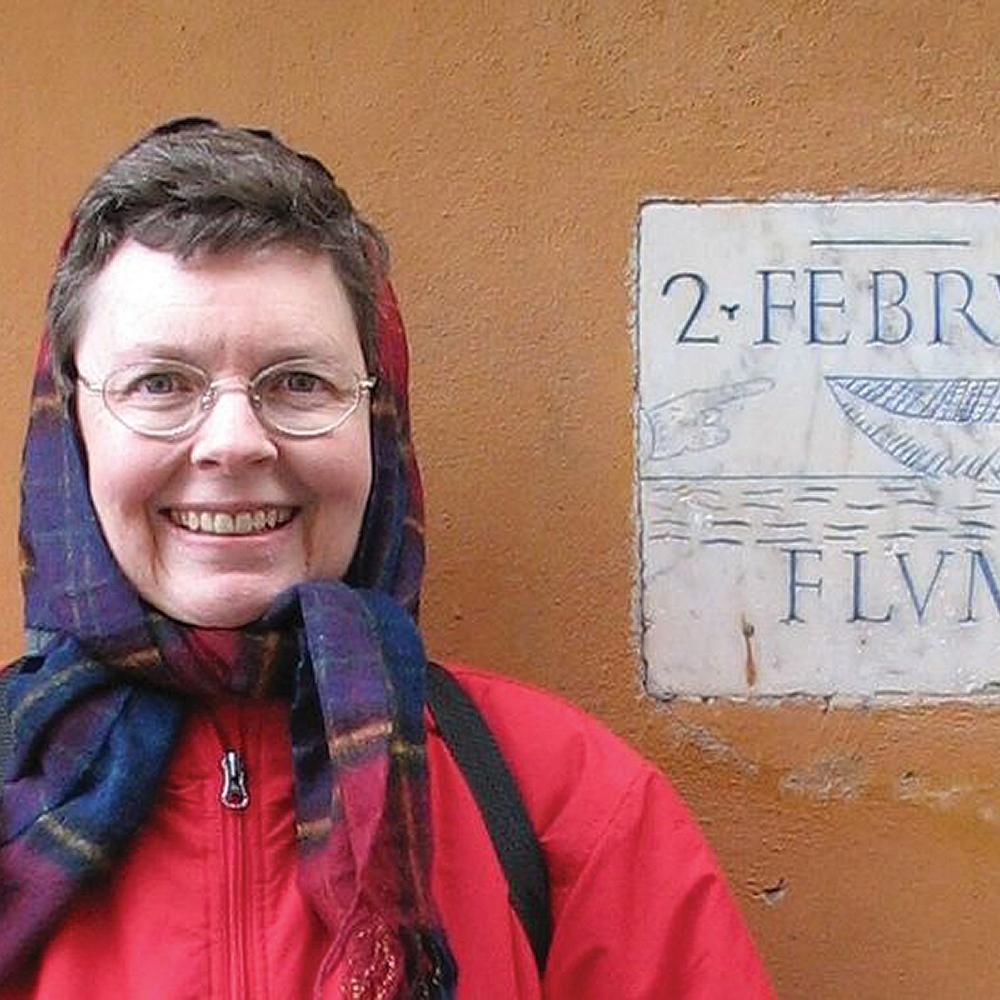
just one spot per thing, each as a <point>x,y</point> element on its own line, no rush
<point>222,556</point>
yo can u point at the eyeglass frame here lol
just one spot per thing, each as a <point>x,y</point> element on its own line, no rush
<point>210,396</point>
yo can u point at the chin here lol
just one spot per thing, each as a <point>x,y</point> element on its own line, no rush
<point>217,611</point>
<point>228,618</point>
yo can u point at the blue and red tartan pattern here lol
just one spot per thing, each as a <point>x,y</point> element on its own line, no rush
<point>95,717</point>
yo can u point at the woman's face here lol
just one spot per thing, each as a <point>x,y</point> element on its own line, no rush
<point>231,315</point>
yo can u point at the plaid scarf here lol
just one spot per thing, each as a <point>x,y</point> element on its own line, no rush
<point>97,714</point>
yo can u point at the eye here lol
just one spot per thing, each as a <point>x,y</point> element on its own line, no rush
<point>313,387</point>
<point>155,384</point>
<point>160,383</point>
<point>298,381</point>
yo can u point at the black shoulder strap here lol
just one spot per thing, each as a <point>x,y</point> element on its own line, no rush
<point>475,751</point>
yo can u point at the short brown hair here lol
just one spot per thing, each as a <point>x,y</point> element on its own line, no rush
<point>192,186</point>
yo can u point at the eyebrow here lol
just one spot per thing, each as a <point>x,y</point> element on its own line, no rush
<point>268,355</point>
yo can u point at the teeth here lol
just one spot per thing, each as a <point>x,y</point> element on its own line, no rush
<point>244,522</point>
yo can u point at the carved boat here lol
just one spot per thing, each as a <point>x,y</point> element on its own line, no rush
<point>927,425</point>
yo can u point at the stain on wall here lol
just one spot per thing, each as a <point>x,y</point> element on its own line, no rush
<point>505,149</point>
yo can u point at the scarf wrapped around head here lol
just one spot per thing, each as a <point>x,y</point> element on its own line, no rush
<point>96,714</point>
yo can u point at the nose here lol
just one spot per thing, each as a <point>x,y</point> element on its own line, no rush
<point>231,435</point>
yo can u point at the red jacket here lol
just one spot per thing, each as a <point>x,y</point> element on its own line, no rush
<point>206,904</point>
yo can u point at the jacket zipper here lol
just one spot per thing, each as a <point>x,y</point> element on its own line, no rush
<point>235,794</point>
<point>235,797</point>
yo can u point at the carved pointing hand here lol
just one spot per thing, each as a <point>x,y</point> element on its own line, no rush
<point>693,420</point>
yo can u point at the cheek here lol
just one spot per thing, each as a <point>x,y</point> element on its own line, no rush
<point>119,477</point>
<point>342,488</point>
<point>122,477</point>
<point>120,493</point>
<point>340,481</point>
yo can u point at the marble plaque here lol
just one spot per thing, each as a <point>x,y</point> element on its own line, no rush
<point>818,427</point>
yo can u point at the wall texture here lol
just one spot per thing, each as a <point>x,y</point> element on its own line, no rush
<point>505,149</point>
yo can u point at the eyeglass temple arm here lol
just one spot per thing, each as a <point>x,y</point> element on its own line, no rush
<point>89,386</point>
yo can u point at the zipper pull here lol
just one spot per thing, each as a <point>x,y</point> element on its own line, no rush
<point>234,781</point>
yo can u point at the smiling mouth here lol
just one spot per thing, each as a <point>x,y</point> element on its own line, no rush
<point>257,521</point>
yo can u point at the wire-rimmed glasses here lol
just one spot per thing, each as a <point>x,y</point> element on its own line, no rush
<point>300,397</point>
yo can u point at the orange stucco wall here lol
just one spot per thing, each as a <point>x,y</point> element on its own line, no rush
<point>505,149</point>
